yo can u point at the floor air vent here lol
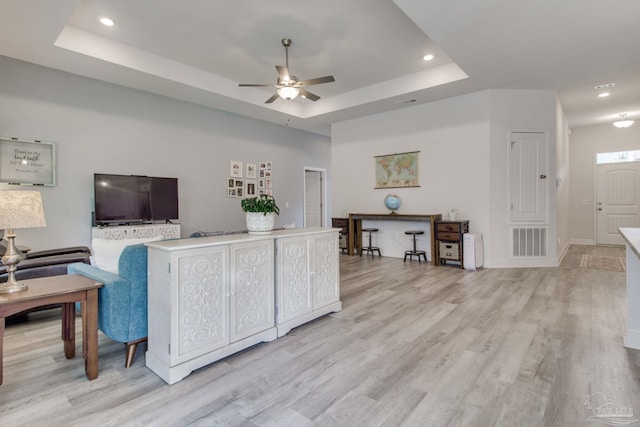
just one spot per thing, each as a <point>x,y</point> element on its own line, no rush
<point>529,242</point>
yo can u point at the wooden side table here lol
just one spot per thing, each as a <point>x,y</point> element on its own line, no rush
<point>65,290</point>
<point>449,236</point>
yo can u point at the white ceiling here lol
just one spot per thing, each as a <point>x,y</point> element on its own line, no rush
<point>199,50</point>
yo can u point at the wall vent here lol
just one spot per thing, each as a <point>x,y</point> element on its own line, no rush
<point>529,242</point>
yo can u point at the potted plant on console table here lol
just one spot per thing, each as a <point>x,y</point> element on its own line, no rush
<point>261,213</point>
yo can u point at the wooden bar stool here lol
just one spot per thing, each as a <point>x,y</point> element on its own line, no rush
<point>370,248</point>
<point>415,252</point>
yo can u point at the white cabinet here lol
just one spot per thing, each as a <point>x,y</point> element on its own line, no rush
<point>211,297</point>
<point>207,303</point>
<point>307,283</point>
<point>119,232</point>
<point>252,303</point>
<point>201,288</point>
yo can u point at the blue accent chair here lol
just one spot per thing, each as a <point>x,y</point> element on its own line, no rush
<point>122,301</point>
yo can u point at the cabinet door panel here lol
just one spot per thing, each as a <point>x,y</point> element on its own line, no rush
<point>252,289</point>
<point>326,289</point>
<point>202,296</point>
<point>294,288</point>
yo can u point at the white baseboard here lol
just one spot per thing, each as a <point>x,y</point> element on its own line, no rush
<point>589,242</point>
<point>563,252</point>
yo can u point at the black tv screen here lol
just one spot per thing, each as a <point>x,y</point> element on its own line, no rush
<point>131,198</point>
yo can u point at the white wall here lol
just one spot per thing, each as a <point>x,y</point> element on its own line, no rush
<point>518,111</point>
<point>452,136</point>
<point>463,144</point>
<point>585,143</point>
<point>100,127</point>
<point>563,182</point>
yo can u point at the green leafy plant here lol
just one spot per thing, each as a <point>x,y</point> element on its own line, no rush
<point>264,203</point>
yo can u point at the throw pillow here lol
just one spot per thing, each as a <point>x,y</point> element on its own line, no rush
<point>106,253</point>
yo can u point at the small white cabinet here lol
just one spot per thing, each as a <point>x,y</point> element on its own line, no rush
<point>211,297</point>
<point>307,283</point>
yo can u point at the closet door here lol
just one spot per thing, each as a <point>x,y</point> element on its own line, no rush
<point>528,181</point>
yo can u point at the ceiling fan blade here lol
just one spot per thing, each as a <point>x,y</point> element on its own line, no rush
<point>308,95</point>
<point>283,72</point>
<point>273,98</point>
<point>254,85</point>
<point>317,81</point>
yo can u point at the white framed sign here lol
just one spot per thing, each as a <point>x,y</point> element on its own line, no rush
<point>27,162</point>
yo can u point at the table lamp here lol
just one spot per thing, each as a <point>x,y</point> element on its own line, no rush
<point>18,209</point>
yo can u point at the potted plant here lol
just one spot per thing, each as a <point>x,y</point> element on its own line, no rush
<point>261,213</point>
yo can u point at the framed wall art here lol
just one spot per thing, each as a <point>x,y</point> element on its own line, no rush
<point>397,170</point>
<point>27,162</point>
<point>235,169</point>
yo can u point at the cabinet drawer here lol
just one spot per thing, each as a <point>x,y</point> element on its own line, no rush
<point>452,237</point>
<point>450,251</point>
<point>447,226</point>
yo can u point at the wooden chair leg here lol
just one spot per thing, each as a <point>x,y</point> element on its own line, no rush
<point>131,351</point>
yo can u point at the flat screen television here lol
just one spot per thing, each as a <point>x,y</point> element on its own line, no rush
<point>123,199</point>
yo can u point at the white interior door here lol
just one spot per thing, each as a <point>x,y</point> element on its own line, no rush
<point>528,177</point>
<point>313,198</point>
<point>618,200</point>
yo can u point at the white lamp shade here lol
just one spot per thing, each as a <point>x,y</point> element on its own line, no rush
<point>288,92</point>
<point>21,209</point>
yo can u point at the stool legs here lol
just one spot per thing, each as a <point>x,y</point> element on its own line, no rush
<point>370,248</point>
<point>415,252</point>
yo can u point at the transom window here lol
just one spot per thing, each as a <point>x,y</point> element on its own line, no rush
<point>618,157</point>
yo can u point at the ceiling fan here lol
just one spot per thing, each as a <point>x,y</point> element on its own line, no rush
<point>288,86</point>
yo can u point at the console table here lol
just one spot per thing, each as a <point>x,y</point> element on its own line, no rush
<point>65,290</point>
<point>355,228</point>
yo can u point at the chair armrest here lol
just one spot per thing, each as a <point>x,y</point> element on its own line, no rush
<point>122,303</point>
<point>79,250</point>
<point>93,272</point>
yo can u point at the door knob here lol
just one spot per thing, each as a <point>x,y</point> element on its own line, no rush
<point>543,176</point>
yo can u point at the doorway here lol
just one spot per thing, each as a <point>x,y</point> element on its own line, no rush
<point>617,200</point>
<point>314,197</point>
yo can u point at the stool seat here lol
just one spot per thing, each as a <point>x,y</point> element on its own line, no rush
<point>370,248</point>
<point>415,251</point>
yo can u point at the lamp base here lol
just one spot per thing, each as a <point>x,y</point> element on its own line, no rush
<point>9,288</point>
<point>10,259</point>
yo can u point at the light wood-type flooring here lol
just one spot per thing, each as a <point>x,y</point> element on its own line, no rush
<point>415,345</point>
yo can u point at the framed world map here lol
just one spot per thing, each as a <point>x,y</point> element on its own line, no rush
<point>397,170</point>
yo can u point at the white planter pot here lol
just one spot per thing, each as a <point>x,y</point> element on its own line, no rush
<point>259,223</point>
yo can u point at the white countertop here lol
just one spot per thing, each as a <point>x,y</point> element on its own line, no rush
<point>632,237</point>
<point>200,242</point>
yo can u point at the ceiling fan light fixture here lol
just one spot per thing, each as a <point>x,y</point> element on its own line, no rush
<point>106,21</point>
<point>288,92</point>
<point>623,122</point>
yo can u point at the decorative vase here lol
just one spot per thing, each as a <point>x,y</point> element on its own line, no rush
<point>260,223</point>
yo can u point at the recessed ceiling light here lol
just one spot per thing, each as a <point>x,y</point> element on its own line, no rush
<point>428,57</point>
<point>603,94</point>
<point>107,21</point>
